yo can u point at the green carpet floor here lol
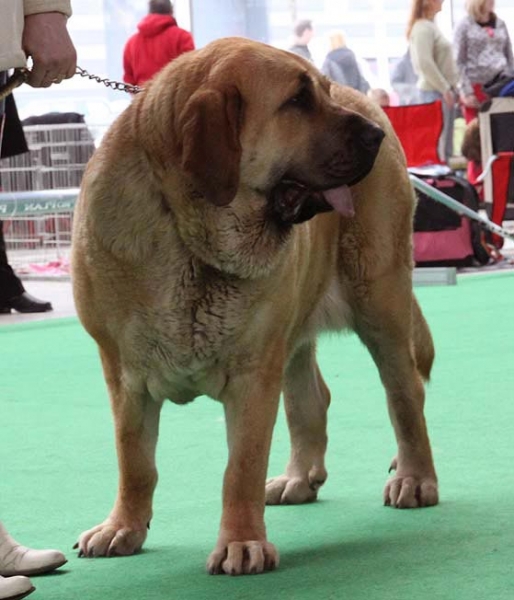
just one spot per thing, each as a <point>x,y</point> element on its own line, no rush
<point>58,471</point>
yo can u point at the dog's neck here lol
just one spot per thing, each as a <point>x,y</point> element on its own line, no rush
<point>239,239</point>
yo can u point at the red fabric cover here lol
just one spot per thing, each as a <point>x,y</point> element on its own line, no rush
<point>418,127</point>
<point>473,171</point>
<point>478,90</point>
<point>453,244</point>
<point>501,170</point>
<point>158,42</point>
<point>469,113</point>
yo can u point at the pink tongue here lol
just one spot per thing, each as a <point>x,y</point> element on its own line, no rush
<point>341,200</point>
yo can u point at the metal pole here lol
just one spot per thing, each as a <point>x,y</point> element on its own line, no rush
<point>293,9</point>
<point>457,207</point>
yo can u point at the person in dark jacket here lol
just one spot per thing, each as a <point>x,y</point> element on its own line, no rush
<point>158,41</point>
<point>13,295</point>
<point>303,33</point>
<point>404,79</point>
<point>341,65</point>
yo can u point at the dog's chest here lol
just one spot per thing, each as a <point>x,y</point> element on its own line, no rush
<point>181,344</point>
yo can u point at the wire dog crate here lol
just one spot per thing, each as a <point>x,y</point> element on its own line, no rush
<point>39,191</point>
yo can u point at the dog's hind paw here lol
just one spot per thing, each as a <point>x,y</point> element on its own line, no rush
<point>110,539</point>
<point>243,558</point>
<point>411,492</point>
<point>292,490</point>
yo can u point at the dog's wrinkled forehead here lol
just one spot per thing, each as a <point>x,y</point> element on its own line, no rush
<point>259,70</point>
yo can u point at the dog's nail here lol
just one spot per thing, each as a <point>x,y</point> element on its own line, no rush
<point>75,545</point>
<point>148,525</point>
<point>81,553</point>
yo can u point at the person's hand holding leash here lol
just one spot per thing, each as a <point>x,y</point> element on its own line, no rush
<point>47,41</point>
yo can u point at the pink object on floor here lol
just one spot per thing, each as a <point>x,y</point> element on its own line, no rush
<point>55,267</point>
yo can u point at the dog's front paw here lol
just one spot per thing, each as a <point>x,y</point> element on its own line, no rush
<point>292,490</point>
<point>111,538</point>
<point>243,558</point>
<point>411,492</point>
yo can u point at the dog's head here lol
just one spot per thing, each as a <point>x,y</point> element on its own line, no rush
<point>471,142</point>
<point>251,118</point>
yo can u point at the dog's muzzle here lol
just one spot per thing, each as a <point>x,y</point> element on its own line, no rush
<point>293,201</point>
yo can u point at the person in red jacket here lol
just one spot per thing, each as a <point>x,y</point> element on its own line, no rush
<point>158,41</point>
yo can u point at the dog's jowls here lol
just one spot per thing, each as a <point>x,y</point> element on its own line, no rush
<point>240,206</point>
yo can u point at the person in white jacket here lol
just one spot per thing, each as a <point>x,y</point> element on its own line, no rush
<point>36,30</point>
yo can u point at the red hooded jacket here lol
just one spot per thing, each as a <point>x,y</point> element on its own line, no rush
<point>158,42</point>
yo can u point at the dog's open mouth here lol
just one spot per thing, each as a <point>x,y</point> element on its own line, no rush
<point>293,202</point>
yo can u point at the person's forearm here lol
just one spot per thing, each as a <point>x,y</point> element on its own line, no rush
<point>32,7</point>
<point>465,86</point>
<point>46,40</point>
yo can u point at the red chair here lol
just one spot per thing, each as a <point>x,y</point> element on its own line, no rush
<point>496,120</point>
<point>418,127</point>
<point>441,237</point>
<point>502,190</point>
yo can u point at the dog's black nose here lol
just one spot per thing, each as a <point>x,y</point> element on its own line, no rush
<point>371,136</point>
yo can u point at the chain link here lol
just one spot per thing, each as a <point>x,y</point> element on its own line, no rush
<point>21,75</point>
<point>110,83</point>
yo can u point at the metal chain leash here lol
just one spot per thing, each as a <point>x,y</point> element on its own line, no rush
<point>110,83</point>
<point>21,75</point>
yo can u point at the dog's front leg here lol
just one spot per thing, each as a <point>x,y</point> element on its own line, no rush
<point>136,420</point>
<point>250,411</point>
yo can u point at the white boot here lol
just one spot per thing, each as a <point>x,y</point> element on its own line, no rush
<point>15,588</point>
<point>16,559</point>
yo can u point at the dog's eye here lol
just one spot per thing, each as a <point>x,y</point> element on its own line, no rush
<point>302,99</point>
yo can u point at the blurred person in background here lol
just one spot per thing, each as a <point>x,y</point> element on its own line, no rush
<point>12,292</point>
<point>35,29</point>
<point>341,65</point>
<point>379,96</point>
<point>303,32</point>
<point>159,40</point>
<point>404,80</point>
<point>432,59</point>
<point>483,51</point>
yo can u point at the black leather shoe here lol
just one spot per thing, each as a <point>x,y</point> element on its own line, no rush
<point>25,303</point>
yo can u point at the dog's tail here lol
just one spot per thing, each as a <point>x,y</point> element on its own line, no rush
<point>424,351</point>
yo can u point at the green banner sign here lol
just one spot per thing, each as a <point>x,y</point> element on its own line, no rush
<point>16,204</point>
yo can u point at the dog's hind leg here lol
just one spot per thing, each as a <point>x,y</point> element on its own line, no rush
<point>393,332</point>
<point>306,399</point>
<point>423,349</point>
<point>423,343</point>
<point>136,418</point>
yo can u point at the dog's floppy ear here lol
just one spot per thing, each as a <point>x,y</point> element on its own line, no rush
<point>211,151</point>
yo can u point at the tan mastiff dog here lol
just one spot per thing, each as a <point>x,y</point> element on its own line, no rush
<point>240,206</point>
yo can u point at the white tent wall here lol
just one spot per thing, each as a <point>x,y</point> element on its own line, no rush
<point>375,30</point>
